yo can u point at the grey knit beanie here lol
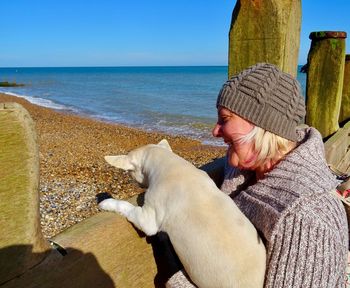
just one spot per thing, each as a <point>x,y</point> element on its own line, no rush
<point>266,97</point>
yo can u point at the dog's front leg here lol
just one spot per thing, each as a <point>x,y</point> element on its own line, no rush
<point>143,218</point>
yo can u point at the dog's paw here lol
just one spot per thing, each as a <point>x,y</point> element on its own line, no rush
<point>102,196</point>
<point>119,206</point>
<point>109,205</point>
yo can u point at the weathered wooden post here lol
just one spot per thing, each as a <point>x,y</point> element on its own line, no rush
<point>265,31</point>
<point>19,197</point>
<point>345,102</point>
<point>324,82</point>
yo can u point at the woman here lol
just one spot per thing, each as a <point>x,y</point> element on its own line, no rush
<point>278,176</point>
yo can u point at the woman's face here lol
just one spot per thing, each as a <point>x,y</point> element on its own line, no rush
<point>231,128</point>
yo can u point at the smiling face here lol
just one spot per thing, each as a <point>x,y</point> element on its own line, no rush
<point>232,128</point>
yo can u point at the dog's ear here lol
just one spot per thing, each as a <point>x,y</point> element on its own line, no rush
<point>165,144</point>
<point>120,161</point>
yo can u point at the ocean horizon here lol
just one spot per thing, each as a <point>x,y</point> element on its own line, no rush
<point>178,100</point>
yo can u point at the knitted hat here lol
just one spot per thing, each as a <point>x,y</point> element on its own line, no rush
<point>267,97</point>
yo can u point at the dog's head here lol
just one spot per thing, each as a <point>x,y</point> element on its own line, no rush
<point>133,161</point>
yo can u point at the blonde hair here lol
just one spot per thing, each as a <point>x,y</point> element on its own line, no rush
<point>267,145</point>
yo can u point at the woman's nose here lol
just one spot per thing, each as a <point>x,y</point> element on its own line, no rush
<point>216,130</point>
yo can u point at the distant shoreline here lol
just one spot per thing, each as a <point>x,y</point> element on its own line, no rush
<point>122,66</point>
<point>126,66</point>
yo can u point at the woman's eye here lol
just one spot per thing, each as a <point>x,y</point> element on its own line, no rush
<point>223,119</point>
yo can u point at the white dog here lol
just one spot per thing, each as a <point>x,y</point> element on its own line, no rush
<point>215,242</point>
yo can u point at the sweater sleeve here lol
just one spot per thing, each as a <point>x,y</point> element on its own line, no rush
<point>308,250</point>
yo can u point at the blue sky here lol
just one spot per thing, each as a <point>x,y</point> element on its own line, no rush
<point>137,32</point>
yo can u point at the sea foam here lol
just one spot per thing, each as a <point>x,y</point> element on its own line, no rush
<point>40,101</point>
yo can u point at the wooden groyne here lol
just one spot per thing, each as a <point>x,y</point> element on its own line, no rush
<point>324,84</point>
<point>265,31</point>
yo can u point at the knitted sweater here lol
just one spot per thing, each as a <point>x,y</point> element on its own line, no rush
<point>303,226</point>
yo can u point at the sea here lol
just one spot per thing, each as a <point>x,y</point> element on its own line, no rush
<point>177,100</point>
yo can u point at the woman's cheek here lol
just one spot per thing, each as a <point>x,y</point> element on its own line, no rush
<point>242,157</point>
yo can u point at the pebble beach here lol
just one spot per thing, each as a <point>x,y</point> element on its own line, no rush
<point>72,165</point>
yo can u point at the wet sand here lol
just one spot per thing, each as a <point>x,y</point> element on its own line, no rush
<point>72,167</point>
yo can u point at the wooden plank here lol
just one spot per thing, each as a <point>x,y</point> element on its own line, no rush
<point>344,164</point>
<point>337,146</point>
<point>102,251</point>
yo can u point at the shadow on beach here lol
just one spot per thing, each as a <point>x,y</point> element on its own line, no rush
<point>74,269</point>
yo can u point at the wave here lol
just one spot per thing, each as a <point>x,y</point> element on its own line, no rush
<point>197,128</point>
<point>41,102</point>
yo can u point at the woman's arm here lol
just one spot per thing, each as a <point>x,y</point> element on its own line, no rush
<point>308,250</point>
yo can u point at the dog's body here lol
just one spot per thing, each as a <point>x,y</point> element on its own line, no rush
<point>215,242</point>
